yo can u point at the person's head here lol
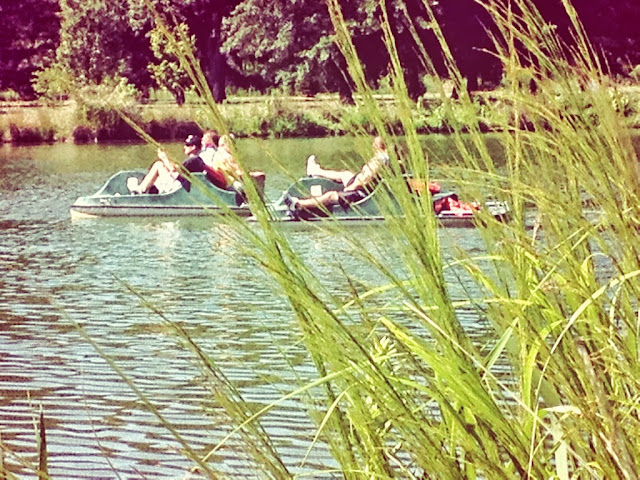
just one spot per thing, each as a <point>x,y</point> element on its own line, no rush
<point>191,144</point>
<point>210,139</point>
<point>378,144</point>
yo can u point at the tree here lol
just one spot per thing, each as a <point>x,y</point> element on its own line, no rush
<point>289,44</point>
<point>110,38</point>
<point>204,19</point>
<point>467,37</point>
<point>281,43</point>
<point>612,26</point>
<point>97,41</point>
<point>167,71</point>
<point>28,38</point>
<point>286,44</point>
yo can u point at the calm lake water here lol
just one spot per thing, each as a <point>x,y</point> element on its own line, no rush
<point>55,273</point>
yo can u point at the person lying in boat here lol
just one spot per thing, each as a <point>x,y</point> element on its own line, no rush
<point>356,185</point>
<point>164,175</point>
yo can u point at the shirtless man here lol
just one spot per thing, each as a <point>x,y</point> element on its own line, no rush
<point>355,184</point>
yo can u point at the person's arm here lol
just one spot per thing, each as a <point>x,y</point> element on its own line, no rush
<point>162,155</point>
<point>233,166</point>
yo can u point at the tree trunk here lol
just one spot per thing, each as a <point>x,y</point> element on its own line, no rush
<point>178,95</point>
<point>214,61</point>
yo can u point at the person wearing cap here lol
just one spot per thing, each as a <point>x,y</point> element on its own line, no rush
<point>356,185</point>
<point>164,175</point>
<point>193,163</point>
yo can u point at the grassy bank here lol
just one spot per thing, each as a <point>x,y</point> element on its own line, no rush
<point>275,116</point>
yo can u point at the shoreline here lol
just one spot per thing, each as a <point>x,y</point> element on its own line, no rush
<point>35,122</point>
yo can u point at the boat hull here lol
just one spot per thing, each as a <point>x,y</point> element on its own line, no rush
<point>375,207</point>
<point>115,200</point>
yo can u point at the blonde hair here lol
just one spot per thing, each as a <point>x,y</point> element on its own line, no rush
<point>378,143</point>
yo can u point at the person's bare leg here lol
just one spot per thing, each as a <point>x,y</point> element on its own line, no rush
<point>326,199</point>
<point>150,177</point>
<point>314,169</point>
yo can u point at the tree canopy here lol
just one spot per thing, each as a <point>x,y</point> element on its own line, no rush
<point>29,33</point>
<point>277,44</point>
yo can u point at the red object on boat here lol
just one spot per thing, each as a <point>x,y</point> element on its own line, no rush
<point>452,204</point>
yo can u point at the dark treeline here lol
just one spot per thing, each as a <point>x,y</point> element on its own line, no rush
<point>50,47</point>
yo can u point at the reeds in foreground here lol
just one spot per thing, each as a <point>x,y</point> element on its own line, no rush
<point>416,396</point>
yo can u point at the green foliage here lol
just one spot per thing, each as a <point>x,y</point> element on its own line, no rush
<point>284,44</point>
<point>453,116</point>
<point>168,73</point>
<point>290,45</point>
<point>29,32</point>
<point>90,46</point>
<point>98,41</point>
<point>101,107</point>
<point>9,96</point>
<point>54,83</point>
<point>635,73</point>
<point>284,120</point>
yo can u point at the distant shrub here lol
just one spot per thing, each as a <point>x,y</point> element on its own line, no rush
<point>24,134</point>
<point>54,83</point>
<point>247,121</point>
<point>353,119</point>
<point>83,134</point>
<point>9,96</point>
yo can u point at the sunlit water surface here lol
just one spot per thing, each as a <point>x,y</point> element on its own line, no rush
<point>56,274</point>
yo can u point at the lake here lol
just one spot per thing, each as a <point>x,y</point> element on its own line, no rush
<point>56,274</point>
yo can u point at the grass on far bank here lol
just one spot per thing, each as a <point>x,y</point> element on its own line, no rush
<point>267,116</point>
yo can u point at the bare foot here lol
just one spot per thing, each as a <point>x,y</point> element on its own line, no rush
<point>312,166</point>
<point>133,185</point>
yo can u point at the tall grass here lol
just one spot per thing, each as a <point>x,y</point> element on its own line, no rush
<point>410,393</point>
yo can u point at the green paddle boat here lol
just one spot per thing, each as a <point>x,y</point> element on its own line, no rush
<point>115,200</point>
<point>448,210</point>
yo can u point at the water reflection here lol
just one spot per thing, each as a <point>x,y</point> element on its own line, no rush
<point>56,274</point>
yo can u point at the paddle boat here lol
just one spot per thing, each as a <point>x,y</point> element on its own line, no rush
<point>448,210</point>
<point>115,200</point>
